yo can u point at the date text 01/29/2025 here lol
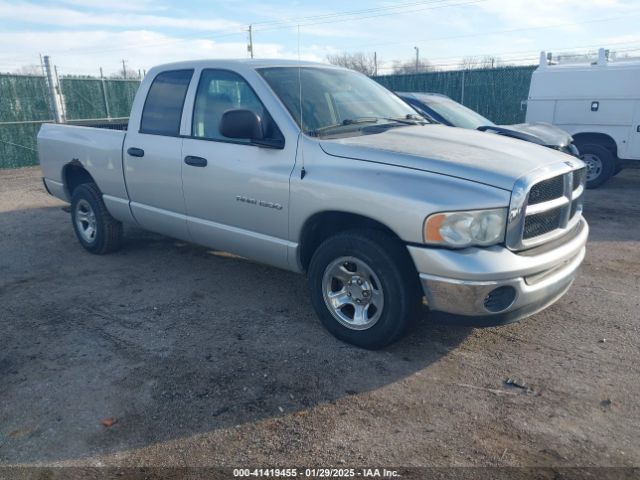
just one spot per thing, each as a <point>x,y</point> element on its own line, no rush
<point>316,472</point>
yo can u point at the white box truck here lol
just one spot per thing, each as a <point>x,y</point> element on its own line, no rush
<point>598,104</point>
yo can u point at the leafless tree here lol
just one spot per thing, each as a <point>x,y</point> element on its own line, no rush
<point>403,68</point>
<point>131,74</point>
<point>476,63</point>
<point>29,70</point>
<point>359,61</point>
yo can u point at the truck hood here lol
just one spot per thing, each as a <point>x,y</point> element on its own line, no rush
<point>541,133</point>
<point>468,154</point>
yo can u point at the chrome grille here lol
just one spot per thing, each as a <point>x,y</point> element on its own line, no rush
<point>546,190</point>
<point>545,209</point>
<point>579,178</point>
<point>576,204</point>
<point>541,223</point>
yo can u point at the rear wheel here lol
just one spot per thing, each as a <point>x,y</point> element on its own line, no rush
<point>600,162</point>
<point>364,288</point>
<point>97,231</point>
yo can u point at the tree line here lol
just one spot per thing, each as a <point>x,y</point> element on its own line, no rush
<point>368,63</point>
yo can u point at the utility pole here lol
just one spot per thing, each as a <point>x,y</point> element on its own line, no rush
<point>124,68</point>
<point>375,63</point>
<point>417,58</point>
<point>250,46</point>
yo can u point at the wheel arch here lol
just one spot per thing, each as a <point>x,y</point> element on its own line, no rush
<point>325,224</point>
<point>597,138</point>
<point>73,175</point>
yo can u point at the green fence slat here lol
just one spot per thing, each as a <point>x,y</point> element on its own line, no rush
<point>24,98</point>
<point>82,98</point>
<point>496,93</point>
<point>18,145</point>
<point>120,95</point>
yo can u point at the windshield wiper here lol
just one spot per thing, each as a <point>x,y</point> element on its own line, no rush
<point>355,121</point>
<point>344,123</point>
<point>409,119</point>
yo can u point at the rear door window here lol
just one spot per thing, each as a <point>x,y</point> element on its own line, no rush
<point>163,107</point>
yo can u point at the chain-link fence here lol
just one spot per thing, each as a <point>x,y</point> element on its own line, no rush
<point>87,98</point>
<point>25,104</point>
<point>497,93</point>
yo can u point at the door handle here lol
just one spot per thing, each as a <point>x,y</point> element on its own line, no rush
<point>135,152</point>
<point>195,161</point>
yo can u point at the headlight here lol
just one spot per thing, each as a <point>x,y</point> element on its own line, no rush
<point>464,229</point>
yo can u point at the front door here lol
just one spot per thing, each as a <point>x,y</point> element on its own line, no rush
<point>152,157</point>
<point>236,194</point>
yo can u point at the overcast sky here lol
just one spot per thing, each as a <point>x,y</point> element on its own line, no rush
<point>82,35</point>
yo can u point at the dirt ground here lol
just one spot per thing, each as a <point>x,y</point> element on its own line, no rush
<point>204,359</point>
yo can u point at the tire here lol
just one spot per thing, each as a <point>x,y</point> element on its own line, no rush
<point>97,231</point>
<point>601,164</point>
<point>387,273</point>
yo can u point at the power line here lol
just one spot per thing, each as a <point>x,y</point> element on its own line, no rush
<point>349,12</point>
<point>493,32</point>
<point>375,15</point>
<point>382,11</point>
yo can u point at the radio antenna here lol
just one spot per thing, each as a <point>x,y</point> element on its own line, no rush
<point>303,172</point>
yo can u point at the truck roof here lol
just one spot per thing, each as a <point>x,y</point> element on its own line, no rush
<point>602,79</point>
<point>243,63</point>
<point>614,65</point>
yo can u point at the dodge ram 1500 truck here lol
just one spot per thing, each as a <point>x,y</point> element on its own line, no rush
<point>320,170</point>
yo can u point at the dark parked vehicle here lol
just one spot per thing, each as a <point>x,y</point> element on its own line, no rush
<point>441,109</point>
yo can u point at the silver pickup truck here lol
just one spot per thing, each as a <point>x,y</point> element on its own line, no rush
<point>320,170</point>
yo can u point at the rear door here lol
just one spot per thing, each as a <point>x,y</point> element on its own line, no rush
<point>236,194</point>
<point>152,157</point>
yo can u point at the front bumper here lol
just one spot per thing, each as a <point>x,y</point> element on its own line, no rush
<point>460,285</point>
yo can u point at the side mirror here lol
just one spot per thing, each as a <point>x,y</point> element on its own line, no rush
<point>240,123</point>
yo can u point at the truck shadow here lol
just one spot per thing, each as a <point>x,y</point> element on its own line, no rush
<point>168,339</point>
<point>612,210</point>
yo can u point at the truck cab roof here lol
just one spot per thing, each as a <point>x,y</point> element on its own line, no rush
<point>239,63</point>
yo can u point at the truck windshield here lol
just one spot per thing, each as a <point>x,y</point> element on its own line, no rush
<point>455,113</point>
<point>336,101</point>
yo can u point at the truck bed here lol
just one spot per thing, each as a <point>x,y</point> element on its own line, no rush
<point>98,149</point>
<point>109,124</point>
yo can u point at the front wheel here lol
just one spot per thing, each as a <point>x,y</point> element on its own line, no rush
<point>600,164</point>
<point>364,288</point>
